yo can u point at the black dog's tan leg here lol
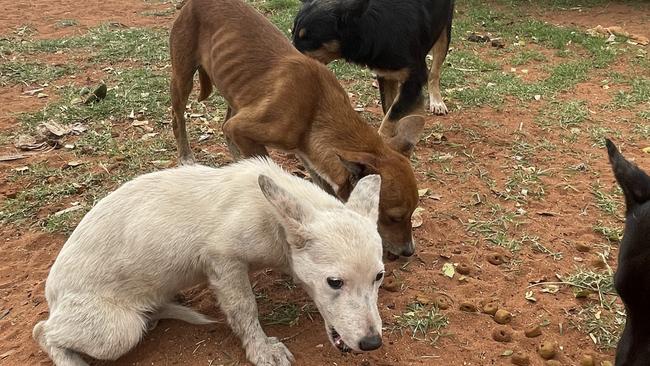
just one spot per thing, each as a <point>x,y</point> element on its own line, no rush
<point>388,89</point>
<point>439,53</point>
<point>409,101</point>
<point>181,87</point>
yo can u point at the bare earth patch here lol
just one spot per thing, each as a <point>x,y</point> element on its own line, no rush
<point>520,210</point>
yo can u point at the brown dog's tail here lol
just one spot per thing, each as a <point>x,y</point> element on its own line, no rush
<point>206,84</point>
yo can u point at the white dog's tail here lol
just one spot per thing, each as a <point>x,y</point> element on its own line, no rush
<point>180,312</point>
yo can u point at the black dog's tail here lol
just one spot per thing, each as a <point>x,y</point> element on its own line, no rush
<point>634,181</point>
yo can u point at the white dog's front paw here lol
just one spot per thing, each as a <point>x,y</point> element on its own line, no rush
<point>437,106</point>
<point>270,353</point>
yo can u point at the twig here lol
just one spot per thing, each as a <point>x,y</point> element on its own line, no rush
<point>572,284</point>
<point>293,336</point>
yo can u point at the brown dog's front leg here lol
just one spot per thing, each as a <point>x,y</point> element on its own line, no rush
<point>232,147</point>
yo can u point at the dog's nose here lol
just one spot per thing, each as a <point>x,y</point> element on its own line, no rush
<point>369,343</point>
<point>409,250</point>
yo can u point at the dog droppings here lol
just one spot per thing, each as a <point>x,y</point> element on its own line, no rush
<point>468,307</point>
<point>463,268</point>
<point>502,316</point>
<point>587,360</point>
<point>582,247</point>
<point>495,258</point>
<point>502,335</point>
<point>391,284</point>
<point>533,331</point>
<point>520,359</point>
<point>490,308</point>
<point>443,301</point>
<point>547,350</point>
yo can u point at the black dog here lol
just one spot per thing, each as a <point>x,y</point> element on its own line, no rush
<point>632,280</point>
<point>392,37</point>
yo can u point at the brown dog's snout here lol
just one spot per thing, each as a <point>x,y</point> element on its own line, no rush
<point>409,248</point>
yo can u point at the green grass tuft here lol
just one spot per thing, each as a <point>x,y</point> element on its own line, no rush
<point>424,323</point>
<point>17,72</point>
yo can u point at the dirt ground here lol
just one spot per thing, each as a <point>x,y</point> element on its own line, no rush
<point>470,165</point>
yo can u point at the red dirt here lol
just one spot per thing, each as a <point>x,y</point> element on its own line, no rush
<point>633,18</point>
<point>28,254</point>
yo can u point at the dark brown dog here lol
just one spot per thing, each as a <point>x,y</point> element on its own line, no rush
<point>282,99</point>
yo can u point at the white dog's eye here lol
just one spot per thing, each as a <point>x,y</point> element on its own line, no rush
<point>335,283</point>
<point>380,275</point>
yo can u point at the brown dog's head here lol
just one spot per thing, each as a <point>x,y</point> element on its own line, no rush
<point>399,193</point>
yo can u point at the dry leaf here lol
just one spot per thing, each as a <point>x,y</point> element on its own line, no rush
<point>67,210</point>
<point>547,213</point>
<point>8,353</point>
<point>448,270</point>
<point>550,289</point>
<point>646,150</point>
<point>12,157</point>
<point>148,136</point>
<point>33,91</point>
<point>423,191</point>
<point>161,163</point>
<point>78,128</point>
<point>530,296</point>
<point>56,129</point>
<point>75,163</point>
<point>416,218</point>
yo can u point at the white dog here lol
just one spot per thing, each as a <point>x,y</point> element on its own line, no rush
<point>166,231</point>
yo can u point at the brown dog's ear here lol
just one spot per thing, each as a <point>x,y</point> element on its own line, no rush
<point>634,181</point>
<point>358,164</point>
<point>407,134</point>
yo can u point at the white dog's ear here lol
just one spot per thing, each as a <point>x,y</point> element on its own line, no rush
<point>364,199</point>
<point>292,213</point>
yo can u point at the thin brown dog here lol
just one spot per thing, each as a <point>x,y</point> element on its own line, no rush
<point>282,99</point>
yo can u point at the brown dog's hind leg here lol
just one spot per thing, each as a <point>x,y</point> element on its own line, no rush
<point>181,87</point>
<point>439,53</point>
